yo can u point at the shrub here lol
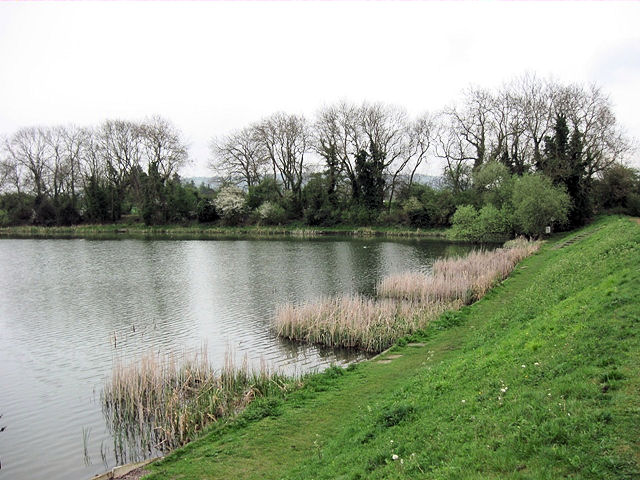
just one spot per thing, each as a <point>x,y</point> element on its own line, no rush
<point>463,225</point>
<point>538,203</point>
<point>415,212</point>
<point>270,213</point>
<point>358,215</point>
<point>4,218</point>
<point>492,225</point>
<point>231,205</point>
<point>206,211</point>
<point>265,191</point>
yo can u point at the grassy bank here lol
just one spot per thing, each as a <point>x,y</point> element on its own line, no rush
<point>539,379</point>
<point>137,230</point>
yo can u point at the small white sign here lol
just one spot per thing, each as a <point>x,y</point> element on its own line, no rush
<point>547,230</point>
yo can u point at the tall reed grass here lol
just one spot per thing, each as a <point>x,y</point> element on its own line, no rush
<point>407,302</point>
<point>354,321</point>
<point>164,401</point>
<point>464,278</point>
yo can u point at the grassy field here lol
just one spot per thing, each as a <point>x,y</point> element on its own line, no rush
<point>538,380</point>
<point>139,230</point>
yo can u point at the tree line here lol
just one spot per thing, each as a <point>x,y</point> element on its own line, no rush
<point>65,175</point>
<point>351,163</point>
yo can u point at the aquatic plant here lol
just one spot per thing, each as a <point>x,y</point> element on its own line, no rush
<point>164,401</point>
<point>406,303</point>
<point>354,321</point>
<point>462,278</point>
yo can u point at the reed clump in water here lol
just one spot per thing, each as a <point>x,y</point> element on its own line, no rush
<point>465,278</point>
<point>354,321</point>
<point>407,302</point>
<point>164,401</point>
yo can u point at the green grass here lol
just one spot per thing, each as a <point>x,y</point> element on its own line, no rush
<point>139,230</point>
<point>538,380</point>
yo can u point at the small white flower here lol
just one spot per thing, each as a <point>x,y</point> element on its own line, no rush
<point>524,366</point>
<point>402,461</point>
<point>391,441</point>
<point>394,456</point>
<point>537,364</point>
<point>503,389</point>
<point>464,401</point>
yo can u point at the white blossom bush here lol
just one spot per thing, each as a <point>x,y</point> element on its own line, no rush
<point>231,205</point>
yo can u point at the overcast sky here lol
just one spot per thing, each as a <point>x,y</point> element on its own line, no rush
<point>211,67</point>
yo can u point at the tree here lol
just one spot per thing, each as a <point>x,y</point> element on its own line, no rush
<point>563,162</point>
<point>240,157</point>
<point>26,152</point>
<point>618,188</point>
<point>286,140</point>
<point>538,203</point>
<point>162,145</point>
<point>118,150</point>
<point>452,147</point>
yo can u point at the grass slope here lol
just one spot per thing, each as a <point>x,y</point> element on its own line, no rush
<point>540,379</point>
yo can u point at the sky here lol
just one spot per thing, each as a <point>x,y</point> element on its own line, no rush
<point>212,67</point>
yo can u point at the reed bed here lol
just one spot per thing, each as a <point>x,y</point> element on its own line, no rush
<point>406,302</point>
<point>355,321</point>
<point>463,278</point>
<point>164,401</point>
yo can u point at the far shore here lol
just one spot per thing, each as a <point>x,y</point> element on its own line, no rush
<point>137,230</point>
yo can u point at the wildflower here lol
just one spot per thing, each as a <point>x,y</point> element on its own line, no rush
<point>524,366</point>
<point>504,389</point>
<point>391,441</point>
<point>394,457</point>
<point>537,364</point>
<point>464,401</point>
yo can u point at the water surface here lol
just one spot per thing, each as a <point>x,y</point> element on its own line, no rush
<point>70,308</point>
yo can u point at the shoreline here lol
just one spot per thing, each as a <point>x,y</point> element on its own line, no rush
<point>124,231</point>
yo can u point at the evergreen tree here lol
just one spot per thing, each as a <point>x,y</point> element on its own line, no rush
<point>563,162</point>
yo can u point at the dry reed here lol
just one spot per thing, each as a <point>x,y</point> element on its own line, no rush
<point>408,301</point>
<point>354,321</point>
<point>464,278</point>
<point>163,401</point>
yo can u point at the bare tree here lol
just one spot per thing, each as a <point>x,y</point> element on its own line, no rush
<point>286,139</point>
<point>419,137</point>
<point>590,112</point>
<point>27,154</point>
<point>118,148</point>
<point>473,121</point>
<point>240,156</point>
<point>162,145</point>
<point>452,146</point>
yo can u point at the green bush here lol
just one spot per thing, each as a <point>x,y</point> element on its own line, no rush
<point>416,213</point>
<point>265,191</point>
<point>206,212</point>
<point>492,225</point>
<point>4,218</point>
<point>538,203</point>
<point>464,223</point>
<point>270,213</point>
<point>358,215</point>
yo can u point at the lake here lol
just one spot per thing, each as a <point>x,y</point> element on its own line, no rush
<point>69,309</point>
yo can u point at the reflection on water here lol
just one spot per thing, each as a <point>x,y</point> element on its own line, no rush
<point>69,308</point>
